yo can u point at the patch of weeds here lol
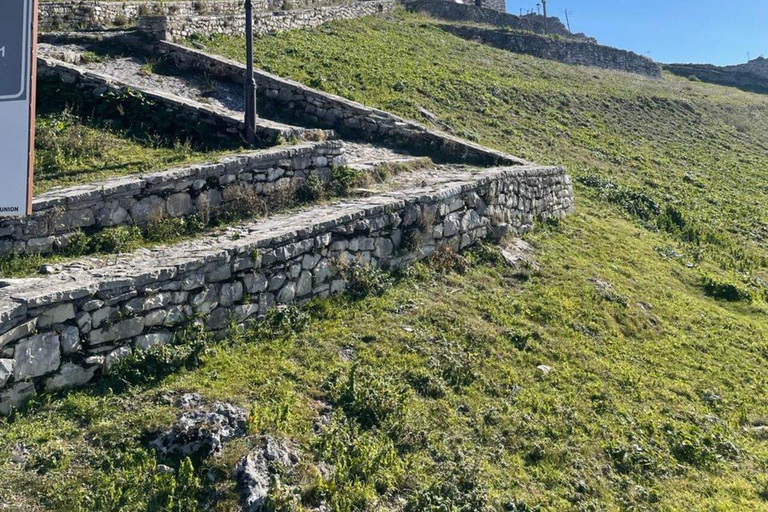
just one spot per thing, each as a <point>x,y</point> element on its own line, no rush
<point>700,447</point>
<point>458,487</point>
<point>446,260</point>
<point>370,398</point>
<point>344,179</point>
<point>91,58</point>
<point>143,367</point>
<point>362,279</point>
<point>456,364</point>
<point>114,240</point>
<point>634,202</point>
<point>280,321</point>
<point>636,458</point>
<point>365,465</point>
<point>311,190</point>
<point>425,383</point>
<point>718,288</point>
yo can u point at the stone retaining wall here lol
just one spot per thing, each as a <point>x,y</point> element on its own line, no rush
<point>137,200</point>
<point>351,119</point>
<point>89,14</point>
<point>65,330</point>
<point>182,114</point>
<point>173,28</point>
<point>568,51</point>
<point>729,76</point>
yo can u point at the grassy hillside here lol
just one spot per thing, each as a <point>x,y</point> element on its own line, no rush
<point>649,307</point>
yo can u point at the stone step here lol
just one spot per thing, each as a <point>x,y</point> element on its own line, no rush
<point>65,329</point>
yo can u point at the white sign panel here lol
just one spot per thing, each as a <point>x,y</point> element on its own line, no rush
<point>17,40</point>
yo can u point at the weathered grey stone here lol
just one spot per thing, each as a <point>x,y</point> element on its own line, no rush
<point>36,356</point>
<point>118,331</point>
<point>148,209</point>
<point>18,332</point>
<point>255,283</point>
<point>99,316</point>
<point>114,357</point>
<point>56,315</point>
<point>69,376</point>
<point>147,341</point>
<point>231,293</point>
<point>304,284</point>
<point>70,340</point>
<point>6,370</point>
<point>287,293</point>
<point>15,396</point>
<point>178,205</point>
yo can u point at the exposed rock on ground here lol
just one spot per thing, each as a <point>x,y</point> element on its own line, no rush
<point>256,471</point>
<point>519,254</point>
<point>201,430</point>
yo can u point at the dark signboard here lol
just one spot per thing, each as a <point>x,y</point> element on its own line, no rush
<point>15,28</point>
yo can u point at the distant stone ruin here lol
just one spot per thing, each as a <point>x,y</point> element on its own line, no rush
<point>751,76</point>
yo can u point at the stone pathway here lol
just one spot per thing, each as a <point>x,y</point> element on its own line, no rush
<point>143,73</point>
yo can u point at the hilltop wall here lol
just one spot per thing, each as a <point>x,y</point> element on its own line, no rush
<point>743,77</point>
<point>178,27</point>
<point>451,11</point>
<point>568,51</point>
<point>88,14</point>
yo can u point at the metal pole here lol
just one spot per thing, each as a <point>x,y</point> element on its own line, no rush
<point>568,21</point>
<point>544,3</point>
<point>250,83</point>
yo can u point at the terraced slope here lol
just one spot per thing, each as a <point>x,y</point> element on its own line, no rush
<point>648,312</point>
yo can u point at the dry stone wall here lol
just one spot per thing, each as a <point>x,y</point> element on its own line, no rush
<point>354,120</point>
<point>562,50</point>
<point>491,14</point>
<point>182,114</point>
<point>89,14</point>
<point>137,200</point>
<point>65,330</point>
<point>173,28</point>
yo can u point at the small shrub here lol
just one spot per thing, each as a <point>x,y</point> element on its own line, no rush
<point>365,465</point>
<point>91,57</point>
<point>371,399</point>
<point>445,260</point>
<point>120,20</point>
<point>456,364</point>
<point>243,202</point>
<point>310,190</point>
<point>458,488</point>
<point>363,280</point>
<point>723,290</point>
<point>344,179</point>
<point>116,240</point>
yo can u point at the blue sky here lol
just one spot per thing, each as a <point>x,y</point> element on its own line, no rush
<point>701,31</point>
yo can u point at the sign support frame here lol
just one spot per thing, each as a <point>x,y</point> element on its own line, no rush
<point>32,109</point>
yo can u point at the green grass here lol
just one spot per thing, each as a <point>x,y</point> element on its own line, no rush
<point>70,150</point>
<point>648,307</point>
<point>698,148</point>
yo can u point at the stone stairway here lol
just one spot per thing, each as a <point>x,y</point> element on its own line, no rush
<point>65,329</point>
